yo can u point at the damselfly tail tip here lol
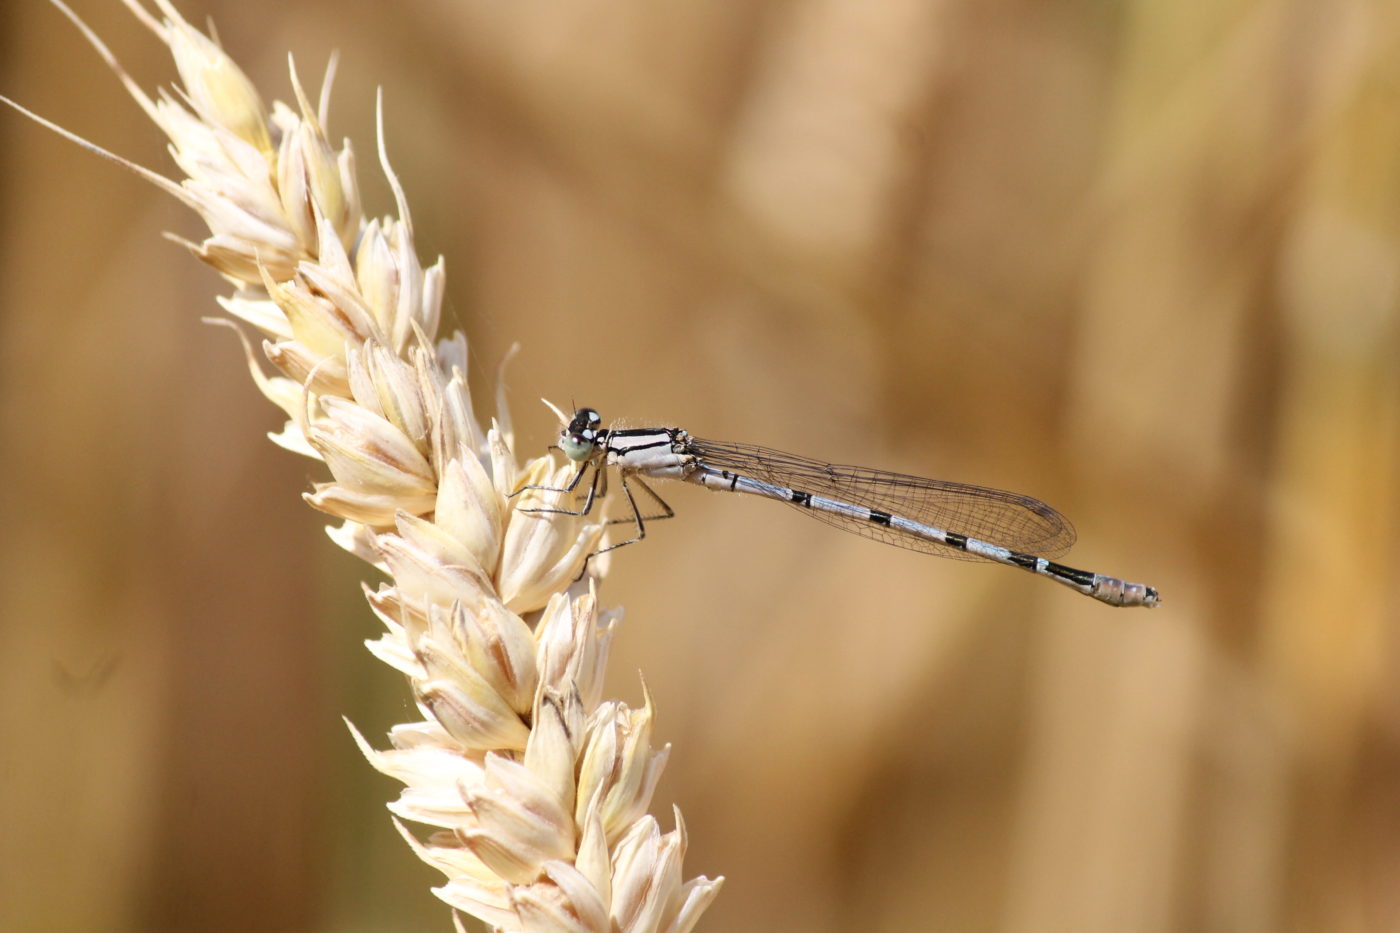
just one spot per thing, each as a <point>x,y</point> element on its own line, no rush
<point>1112,590</point>
<point>1140,594</point>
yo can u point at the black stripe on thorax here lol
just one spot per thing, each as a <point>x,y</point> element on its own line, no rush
<point>636,432</point>
<point>664,442</point>
<point>666,437</point>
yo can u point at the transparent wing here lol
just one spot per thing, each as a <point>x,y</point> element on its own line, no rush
<point>1007,519</point>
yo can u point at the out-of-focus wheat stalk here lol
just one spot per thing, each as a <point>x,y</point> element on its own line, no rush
<point>538,788</point>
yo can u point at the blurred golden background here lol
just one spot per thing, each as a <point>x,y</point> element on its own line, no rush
<point>1139,259</point>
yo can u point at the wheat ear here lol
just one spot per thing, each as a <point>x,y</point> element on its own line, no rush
<point>539,790</point>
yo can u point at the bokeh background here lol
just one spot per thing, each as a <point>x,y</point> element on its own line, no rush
<point>1138,258</point>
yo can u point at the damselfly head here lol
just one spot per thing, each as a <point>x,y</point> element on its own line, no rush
<point>579,439</point>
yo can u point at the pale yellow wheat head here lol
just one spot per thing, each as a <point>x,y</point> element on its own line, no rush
<point>537,788</point>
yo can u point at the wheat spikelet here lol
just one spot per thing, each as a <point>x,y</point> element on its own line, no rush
<point>539,790</point>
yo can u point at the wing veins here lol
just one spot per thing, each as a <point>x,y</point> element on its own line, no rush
<point>1008,519</point>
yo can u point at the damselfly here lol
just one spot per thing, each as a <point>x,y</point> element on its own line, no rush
<point>933,516</point>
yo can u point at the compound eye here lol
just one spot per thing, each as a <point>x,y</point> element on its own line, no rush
<point>579,440</point>
<point>576,447</point>
<point>585,420</point>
